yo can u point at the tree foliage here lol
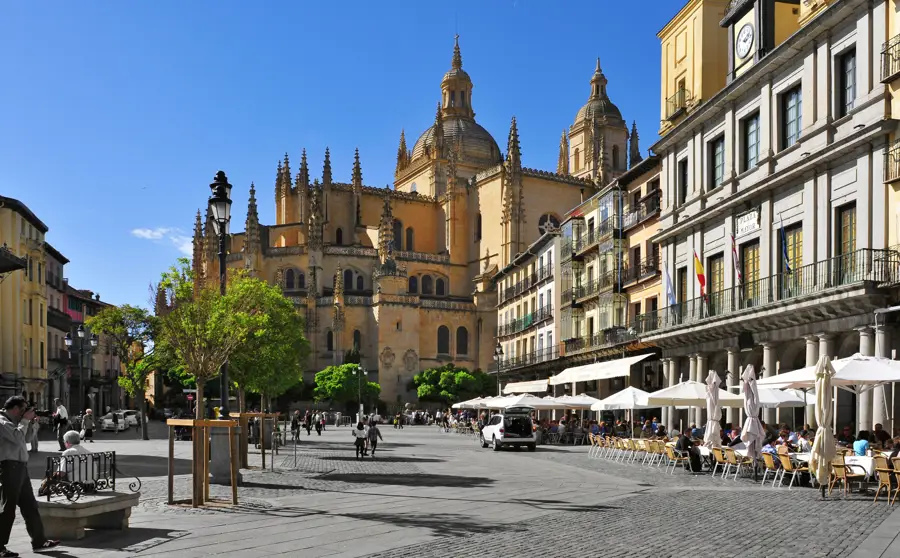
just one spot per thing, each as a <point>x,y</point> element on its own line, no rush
<point>270,359</point>
<point>449,384</point>
<point>342,384</point>
<point>129,330</point>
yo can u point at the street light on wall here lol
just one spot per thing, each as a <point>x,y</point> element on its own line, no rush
<point>220,208</point>
<point>93,342</point>
<point>498,356</point>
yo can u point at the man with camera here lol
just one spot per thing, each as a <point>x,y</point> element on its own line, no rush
<point>15,484</point>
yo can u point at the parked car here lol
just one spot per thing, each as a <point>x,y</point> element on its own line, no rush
<point>131,417</point>
<point>511,427</point>
<point>108,424</point>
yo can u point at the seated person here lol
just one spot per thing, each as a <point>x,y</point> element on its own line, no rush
<point>845,438</point>
<point>735,437</point>
<point>861,445</point>
<point>76,464</point>
<point>771,446</point>
<point>687,448</point>
<point>803,443</point>
<point>882,438</point>
<point>696,433</point>
<point>595,428</point>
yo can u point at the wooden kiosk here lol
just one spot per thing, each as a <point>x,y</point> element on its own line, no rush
<point>244,420</point>
<point>200,459</point>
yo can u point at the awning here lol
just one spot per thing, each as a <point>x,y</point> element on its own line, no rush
<point>597,371</point>
<point>534,386</point>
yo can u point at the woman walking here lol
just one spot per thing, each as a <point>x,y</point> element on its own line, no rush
<point>87,426</point>
<point>360,433</point>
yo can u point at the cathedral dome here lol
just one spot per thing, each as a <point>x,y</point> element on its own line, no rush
<point>599,105</point>
<point>475,143</point>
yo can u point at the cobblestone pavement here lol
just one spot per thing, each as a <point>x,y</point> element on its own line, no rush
<point>428,494</point>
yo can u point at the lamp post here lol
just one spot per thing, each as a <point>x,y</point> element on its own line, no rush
<point>220,207</point>
<point>498,356</point>
<point>93,341</point>
<point>360,373</point>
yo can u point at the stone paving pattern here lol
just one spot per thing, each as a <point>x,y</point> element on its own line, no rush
<point>430,494</point>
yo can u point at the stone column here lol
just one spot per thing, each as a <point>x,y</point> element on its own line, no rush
<point>812,357</point>
<point>826,347</point>
<point>882,395</point>
<point>664,412</point>
<point>733,379</point>
<point>674,378</point>
<point>769,365</point>
<point>692,376</point>
<point>864,399</point>
<point>702,373</point>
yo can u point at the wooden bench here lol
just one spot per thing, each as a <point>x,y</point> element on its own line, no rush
<point>84,487</point>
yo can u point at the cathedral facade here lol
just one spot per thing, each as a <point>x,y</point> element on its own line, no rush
<point>404,274</point>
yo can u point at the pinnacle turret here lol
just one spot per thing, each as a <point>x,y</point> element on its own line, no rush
<point>251,241</point>
<point>562,164</point>
<point>326,169</point>
<point>356,178</point>
<point>439,133</point>
<point>513,153</point>
<point>278,173</point>
<point>303,176</point>
<point>634,147</point>
<point>456,63</point>
<point>402,154</point>
<point>286,184</point>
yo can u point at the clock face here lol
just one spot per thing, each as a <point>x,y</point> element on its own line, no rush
<point>744,41</point>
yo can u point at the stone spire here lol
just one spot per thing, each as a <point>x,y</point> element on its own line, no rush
<point>598,83</point>
<point>286,185</point>
<point>312,288</point>
<point>634,147</point>
<point>386,228</point>
<point>316,219</point>
<point>337,322</point>
<point>456,63</point>
<point>326,169</point>
<point>161,306</point>
<point>452,159</point>
<point>402,154</point>
<point>197,261</point>
<point>303,176</point>
<point>513,154</point>
<point>278,173</point>
<point>338,282</point>
<point>251,241</point>
<point>562,164</point>
<point>356,175</point>
<point>438,134</point>
<point>603,175</point>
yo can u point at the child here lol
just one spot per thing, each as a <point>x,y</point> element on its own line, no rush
<point>359,435</point>
<point>374,435</point>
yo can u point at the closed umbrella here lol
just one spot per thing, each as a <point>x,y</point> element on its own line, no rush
<point>713,436</point>
<point>752,433</point>
<point>823,445</point>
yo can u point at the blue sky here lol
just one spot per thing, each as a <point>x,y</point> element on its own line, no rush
<point>116,115</point>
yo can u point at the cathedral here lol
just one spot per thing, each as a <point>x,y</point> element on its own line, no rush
<point>403,274</point>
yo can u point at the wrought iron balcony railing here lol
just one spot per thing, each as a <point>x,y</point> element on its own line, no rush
<point>890,59</point>
<point>641,270</point>
<point>677,104</point>
<point>892,162</point>
<point>643,212</point>
<point>526,321</point>
<point>861,266</point>
<point>602,339</point>
<point>537,356</point>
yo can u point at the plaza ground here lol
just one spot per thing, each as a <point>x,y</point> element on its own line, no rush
<point>429,494</point>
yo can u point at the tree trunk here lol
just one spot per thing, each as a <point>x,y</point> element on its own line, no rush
<point>242,399</point>
<point>201,408</point>
<point>142,413</point>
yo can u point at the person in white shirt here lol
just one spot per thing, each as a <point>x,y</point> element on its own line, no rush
<point>76,469</point>
<point>61,422</point>
<point>360,433</point>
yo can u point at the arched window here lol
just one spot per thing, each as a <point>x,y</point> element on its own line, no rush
<point>615,157</point>
<point>339,237</point>
<point>301,280</point>
<point>329,341</point>
<point>410,245</point>
<point>357,340</point>
<point>413,285</point>
<point>289,279</point>
<point>426,285</point>
<point>439,287</point>
<point>462,341</point>
<point>359,282</point>
<point>577,159</point>
<point>398,234</point>
<point>443,340</point>
<point>348,280</point>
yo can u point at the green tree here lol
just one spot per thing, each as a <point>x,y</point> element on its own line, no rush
<point>449,384</point>
<point>343,384</point>
<point>129,330</point>
<point>270,360</point>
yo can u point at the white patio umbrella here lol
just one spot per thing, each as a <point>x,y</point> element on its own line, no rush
<point>777,399</point>
<point>752,434</point>
<point>629,398</point>
<point>823,444</point>
<point>712,438</point>
<point>576,401</point>
<point>856,374</point>
<point>690,394</point>
<point>470,404</point>
<point>526,400</point>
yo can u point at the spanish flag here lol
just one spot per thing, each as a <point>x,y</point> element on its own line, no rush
<point>701,276</point>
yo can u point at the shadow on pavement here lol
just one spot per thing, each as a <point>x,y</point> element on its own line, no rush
<point>558,505</point>
<point>409,480</point>
<point>141,466</point>
<point>333,444</point>
<point>271,486</point>
<point>383,459</point>
<point>441,525</point>
<point>135,539</point>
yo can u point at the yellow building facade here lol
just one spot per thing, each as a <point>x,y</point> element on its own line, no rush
<point>402,274</point>
<point>23,304</point>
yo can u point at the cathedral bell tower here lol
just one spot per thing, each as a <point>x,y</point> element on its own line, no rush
<point>598,139</point>
<point>456,88</point>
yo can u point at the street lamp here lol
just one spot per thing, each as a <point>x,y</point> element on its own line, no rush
<point>360,373</point>
<point>93,341</point>
<point>498,356</point>
<point>220,208</point>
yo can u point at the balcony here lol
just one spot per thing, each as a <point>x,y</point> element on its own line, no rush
<point>865,266</point>
<point>646,210</point>
<point>890,60</point>
<point>641,271</point>
<point>606,338</point>
<point>57,319</point>
<point>892,162</point>
<point>538,316</point>
<point>538,356</point>
<point>677,104</point>
<point>519,288</point>
<point>588,290</point>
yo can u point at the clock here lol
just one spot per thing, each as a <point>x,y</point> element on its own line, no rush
<point>744,41</point>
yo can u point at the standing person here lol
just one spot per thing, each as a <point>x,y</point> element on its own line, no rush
<point>61,422</point>
<point>33,431</point>
<point>307,422</point>
<point>87,426</point>
<point>324,416</point>
<point>318,421</point>
<point>373,435</point>
<point>295,425</point>
<point>115,418</point>
<point>337,419</point>
<point>15,485</point>
<point>359,435</point>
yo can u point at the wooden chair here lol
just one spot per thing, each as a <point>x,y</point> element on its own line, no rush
<point>771,467</point>
<point>843,472</point>
<point>787,466</point>
<point>719,458</point>
<point>883,471</point>
<point>674,459</point>
<point>739,463</point>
